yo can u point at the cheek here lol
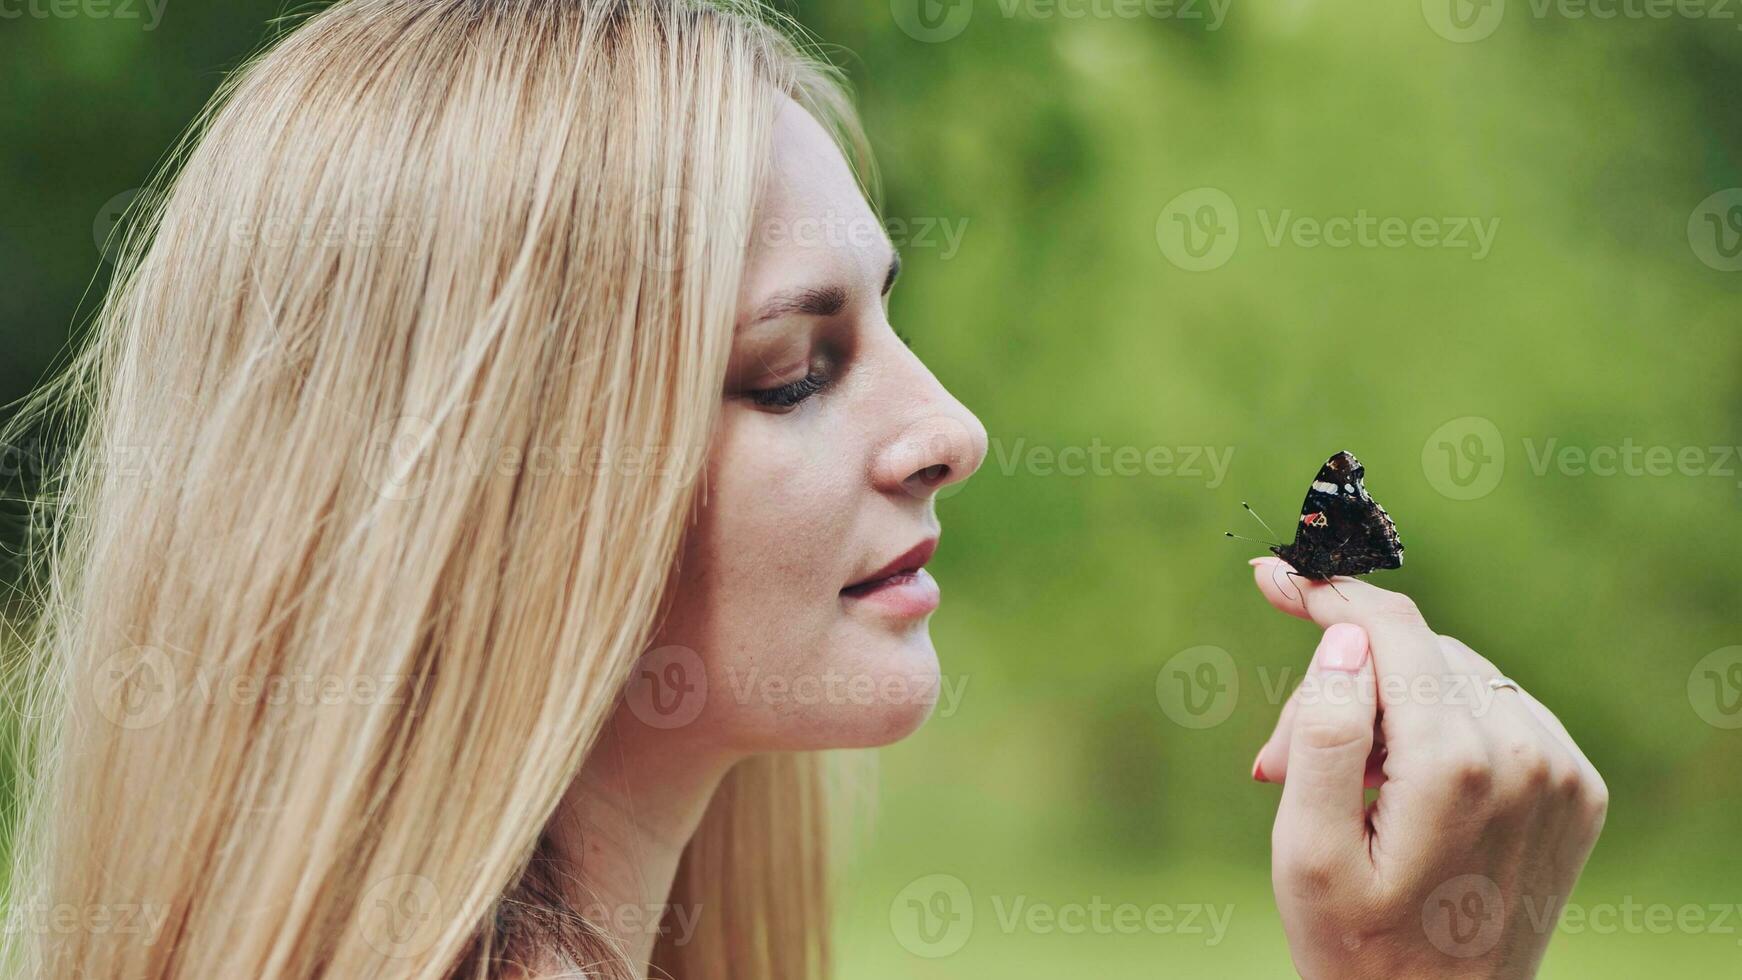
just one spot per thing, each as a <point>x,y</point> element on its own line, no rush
<point>765,562</point>
<point>758,598</point>
<point>779,504</point>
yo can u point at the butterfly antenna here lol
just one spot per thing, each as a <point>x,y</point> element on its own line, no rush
<point>1242,537</point>
<point>1260,520</point>
<point>1334,588</point>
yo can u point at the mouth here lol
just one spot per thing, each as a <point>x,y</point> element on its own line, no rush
<point>902,586</point>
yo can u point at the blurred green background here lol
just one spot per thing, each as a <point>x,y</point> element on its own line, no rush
<point>1119,221</point>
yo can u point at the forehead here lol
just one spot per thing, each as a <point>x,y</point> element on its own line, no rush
<point>811,210</point>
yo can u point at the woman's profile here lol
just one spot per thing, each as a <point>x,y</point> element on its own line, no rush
<point>522,422</point>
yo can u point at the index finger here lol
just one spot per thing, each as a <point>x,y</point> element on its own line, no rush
<point>1402,643</point>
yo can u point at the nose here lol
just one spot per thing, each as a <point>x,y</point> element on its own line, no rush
<point>936,441</point>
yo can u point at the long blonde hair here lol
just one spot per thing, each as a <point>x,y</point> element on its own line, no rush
<point>380,456</point>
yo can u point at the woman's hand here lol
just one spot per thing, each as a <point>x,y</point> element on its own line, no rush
<point>1486,812</point>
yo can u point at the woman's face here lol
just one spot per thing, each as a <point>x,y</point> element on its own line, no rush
<point>800,598</point>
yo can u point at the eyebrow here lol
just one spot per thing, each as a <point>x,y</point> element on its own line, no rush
<point>818,300</point>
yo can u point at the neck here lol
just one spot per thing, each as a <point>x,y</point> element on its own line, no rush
<point>619,833</point>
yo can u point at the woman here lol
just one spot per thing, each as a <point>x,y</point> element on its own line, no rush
<point>495,409</point>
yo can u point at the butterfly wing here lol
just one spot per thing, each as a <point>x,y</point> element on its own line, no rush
<point>1342,529</point>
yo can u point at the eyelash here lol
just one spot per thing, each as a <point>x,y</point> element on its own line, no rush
<point>789,395</point>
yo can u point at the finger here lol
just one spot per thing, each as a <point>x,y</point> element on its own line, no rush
<point>1322,803</point>
<point>1546,718</point>
<point>1509,724</point>
<point>1386,616</point>
<point>1404,649</point>
<point>1271,765</point>
<point>1272,761</point>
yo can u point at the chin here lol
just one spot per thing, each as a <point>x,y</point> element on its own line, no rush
<point>891,695</point>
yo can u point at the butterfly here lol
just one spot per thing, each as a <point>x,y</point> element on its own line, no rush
<point>1342,529</point>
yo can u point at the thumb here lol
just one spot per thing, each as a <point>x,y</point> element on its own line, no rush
<point>1322,801</point>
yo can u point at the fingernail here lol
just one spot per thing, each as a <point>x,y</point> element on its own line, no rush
<point>1258,766</point>
<point>1263,560</point>
<point>1343,647</point>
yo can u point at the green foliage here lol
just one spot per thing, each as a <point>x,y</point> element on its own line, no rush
<point>1055,145</point>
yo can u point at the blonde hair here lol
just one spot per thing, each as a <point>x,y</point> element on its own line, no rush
<point>317,630</point>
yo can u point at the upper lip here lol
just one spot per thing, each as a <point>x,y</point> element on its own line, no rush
<point>910,560</point>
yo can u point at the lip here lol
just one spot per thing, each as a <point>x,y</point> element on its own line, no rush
<point>910,560</point>
<point>902,586</point>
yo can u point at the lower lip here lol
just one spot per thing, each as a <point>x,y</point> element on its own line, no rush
<point>909,594</point>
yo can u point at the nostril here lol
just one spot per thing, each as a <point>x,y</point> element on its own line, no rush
<point>931,476</point>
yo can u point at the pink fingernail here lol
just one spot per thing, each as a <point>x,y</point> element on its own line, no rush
<point>1263,560</point>
<point>1344,648</point>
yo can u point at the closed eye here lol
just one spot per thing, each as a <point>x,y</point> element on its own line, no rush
<point>788,396</point>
